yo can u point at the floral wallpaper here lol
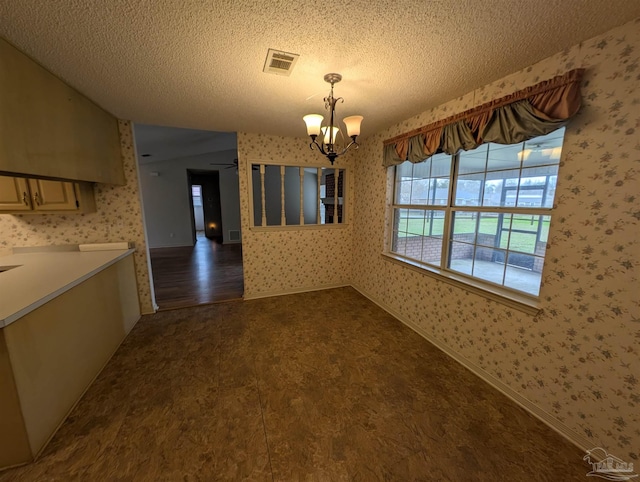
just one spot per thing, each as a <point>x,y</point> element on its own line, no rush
<point>118,218</point>
<point>579,358</point>
<point>291,259</point>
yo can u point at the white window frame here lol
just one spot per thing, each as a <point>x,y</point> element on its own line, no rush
<point>516,298</point>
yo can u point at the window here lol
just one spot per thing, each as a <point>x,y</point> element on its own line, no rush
<point>296,195</point>
<point>196,194</point>
<point>483,214</point>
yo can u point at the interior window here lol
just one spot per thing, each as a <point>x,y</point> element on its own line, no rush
<point>296,195</point>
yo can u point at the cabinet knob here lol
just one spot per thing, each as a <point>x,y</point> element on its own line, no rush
<point>36,197</point>
<point>25,198</point>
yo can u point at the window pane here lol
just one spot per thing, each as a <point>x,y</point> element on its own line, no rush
<point>439,192</point>
<point>422,170</point>
<point>441,165</point>
<point>493,190</point>
<point>535,186</point>
<point>403,183</point>
<point>433,237</point>
<point>417,234</point>
<point>523,273</point>
<point>474,160</point>
<point>416,184</point>
<point>403,192</point>
<point>434,223</point>
<point>407,237</point>
<point>420,191</point>
<point>481,242</point>
<point>273,198</point>
<point>493,229</point>
<point>544,150</point>
<point>400,223</point>
<point>292,195</point>
<point>330,212</point>
<point>529,234</point>
<point>503,188</point>
<point>464,226</point>
<point>489,264</point>
<point>469,190</point>
<point>404,170</point>
<point>461,257</point>
<point>415,222</point>
<point>431,250</point>
<point>401,217</point>
<point>551,192</point>
<point>504,157</point>
<point>545,221</point>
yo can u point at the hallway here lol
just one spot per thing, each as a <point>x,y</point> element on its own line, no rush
<point>205,273</point>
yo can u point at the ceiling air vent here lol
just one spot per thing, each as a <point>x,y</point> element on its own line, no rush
<point>279,62</point>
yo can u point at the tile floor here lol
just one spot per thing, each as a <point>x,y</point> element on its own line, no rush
<point>314,386</point>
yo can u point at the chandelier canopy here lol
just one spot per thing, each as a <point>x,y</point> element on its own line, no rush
<point>328,141</point>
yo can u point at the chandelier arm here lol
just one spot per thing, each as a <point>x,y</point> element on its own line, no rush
<point>353,144</point>
<point>315,143</point>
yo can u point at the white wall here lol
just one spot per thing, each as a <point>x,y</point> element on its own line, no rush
<point>166,198</point>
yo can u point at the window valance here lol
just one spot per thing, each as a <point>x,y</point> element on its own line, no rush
<point>531,112</point>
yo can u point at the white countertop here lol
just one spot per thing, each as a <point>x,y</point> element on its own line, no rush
<point>41,276</point>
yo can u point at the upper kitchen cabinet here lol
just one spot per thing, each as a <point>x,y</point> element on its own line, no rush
<point>48,129</point>
<point>41,196</point>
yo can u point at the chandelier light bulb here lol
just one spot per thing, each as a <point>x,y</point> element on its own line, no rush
<point>327,139</point>
<point>353,125</point>
<point>313,121</point>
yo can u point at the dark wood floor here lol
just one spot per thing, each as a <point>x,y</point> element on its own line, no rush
<point>321,386</point>
<point>205,273</point>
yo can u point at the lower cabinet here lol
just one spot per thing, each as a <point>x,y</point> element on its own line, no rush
<point>50,356</point>
<point>40,196</point>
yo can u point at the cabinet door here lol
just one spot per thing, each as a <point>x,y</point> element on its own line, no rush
<point>52,195</point>
<point>14,194</point>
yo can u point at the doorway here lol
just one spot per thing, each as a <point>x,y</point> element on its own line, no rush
<point>207,184</point>
<point>191,210</point>
<point>198,212</point>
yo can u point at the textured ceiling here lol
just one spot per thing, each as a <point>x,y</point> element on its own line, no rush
<point>198,64</point>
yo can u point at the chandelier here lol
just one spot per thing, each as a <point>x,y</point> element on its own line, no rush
<point>328,142</point>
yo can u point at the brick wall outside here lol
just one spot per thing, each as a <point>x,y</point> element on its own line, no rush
<point>429,249</point>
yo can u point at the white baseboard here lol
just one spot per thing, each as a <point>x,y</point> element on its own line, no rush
<point>575,438</point>
<point>268,294</point>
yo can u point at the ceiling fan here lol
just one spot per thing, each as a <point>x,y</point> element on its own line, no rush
<point>230,165</point>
